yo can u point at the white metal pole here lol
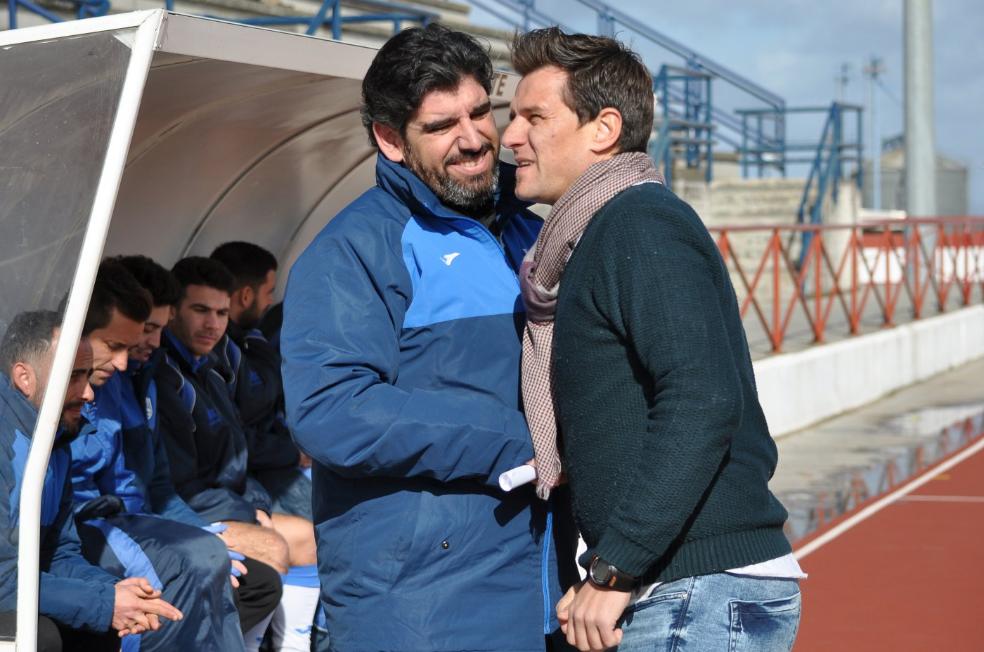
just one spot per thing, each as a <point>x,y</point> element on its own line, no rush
<point>78,301</point>
<point>920,146</point>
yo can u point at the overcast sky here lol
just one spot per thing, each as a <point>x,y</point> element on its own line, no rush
<point>795,48</point>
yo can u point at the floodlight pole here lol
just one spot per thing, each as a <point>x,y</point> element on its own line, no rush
<point>920,149</point>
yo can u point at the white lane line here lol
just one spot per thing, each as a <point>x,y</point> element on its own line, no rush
<point>942,499</point>
<point>885,501</point>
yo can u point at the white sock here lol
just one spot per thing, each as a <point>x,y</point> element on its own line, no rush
<point>254,637</point>
<point>294,616</point>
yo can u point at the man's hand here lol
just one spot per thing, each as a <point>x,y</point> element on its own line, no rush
<point>263,519</point>
<point>588,614</point>
<point>304,461</point>
<point>138,607</point>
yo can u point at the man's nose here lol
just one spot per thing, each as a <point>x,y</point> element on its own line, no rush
<point>469,139</point>
<point>512,136</point>
<point>119,360</point>
<point>88,395</point>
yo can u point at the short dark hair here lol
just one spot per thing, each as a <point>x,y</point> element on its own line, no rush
<point>115,288</point>
<point>163,287</point>
<point>28,337</point>
<point>198,270</point>
<point>413,63</point>
<point>249,263</point>
<point>601,72</point>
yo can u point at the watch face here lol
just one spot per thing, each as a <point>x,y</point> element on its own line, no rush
<point>600,571</point>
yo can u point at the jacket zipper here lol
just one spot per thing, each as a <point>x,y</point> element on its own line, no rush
<point>545,568</point>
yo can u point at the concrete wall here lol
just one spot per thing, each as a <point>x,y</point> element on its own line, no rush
<point>800,389</point>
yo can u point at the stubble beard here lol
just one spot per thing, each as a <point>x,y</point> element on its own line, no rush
<point>475,199</point>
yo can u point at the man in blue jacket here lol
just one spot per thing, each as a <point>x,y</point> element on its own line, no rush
<point>206,444</point>
<point>80,604</point>
<point>120,478</point>
<point>258,588</point>
<point>401,368</point>
<point>273,457</point>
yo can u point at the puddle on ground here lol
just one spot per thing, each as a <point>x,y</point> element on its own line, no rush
<point>936,433</point>
<point>929,421</point>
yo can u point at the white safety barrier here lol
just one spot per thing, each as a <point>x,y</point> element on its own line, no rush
<point>800,389</point>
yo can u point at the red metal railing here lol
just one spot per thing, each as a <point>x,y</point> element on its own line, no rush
<point>804,271</point>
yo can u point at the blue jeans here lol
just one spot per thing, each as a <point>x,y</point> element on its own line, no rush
<point>731,613</point>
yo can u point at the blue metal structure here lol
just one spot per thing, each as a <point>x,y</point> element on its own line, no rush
<point>683,91</point>
<point>384,11</point>
<point>686,125</point>
<point>828,158</point>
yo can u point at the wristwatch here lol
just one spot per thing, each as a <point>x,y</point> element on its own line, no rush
<point>601,573</point>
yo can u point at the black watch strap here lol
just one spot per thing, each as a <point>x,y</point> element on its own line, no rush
<point>601,573</point>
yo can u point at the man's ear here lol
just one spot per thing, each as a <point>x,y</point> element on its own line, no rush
<point>608,129</point>
<point>24,379</point>
<point>244,296</point>
<point>389,140</point>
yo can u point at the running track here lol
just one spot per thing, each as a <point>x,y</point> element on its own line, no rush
<point>906,572</point>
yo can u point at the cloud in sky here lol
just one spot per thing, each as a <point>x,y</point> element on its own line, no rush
<point>795,48</point>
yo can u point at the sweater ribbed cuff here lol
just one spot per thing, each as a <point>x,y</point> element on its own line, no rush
<point>624,554</point>
<point>695,557</point>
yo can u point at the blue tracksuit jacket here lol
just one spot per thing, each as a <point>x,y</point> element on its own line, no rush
<point>72,591</point>
<point>120,453</point>
<point>118,456</point>
<point>203,434</point>
<point>259,397</point>
<point>401,348</point>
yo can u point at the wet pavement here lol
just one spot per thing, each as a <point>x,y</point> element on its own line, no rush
<point>831,468</point>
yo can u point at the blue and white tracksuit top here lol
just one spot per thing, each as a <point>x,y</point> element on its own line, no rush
<point>73,592</point>
<point>401,348</point>
<point>120,453</point>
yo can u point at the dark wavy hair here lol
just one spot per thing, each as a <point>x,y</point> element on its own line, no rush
<point>601,72</point>
<point>115,288</point>
<point>249,263</point>
<point>28,338</point>
<point>413,63</point>
<point>198,270</point>
<point>154,277</point>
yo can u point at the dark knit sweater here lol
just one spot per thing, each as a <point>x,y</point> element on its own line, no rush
<point>664,441</point>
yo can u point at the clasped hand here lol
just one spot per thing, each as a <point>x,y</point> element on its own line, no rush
<point>589,614</point>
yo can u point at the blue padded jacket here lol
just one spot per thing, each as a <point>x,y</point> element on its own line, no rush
<point>73,592</point>
<point>120,453</point>
<point>401,348</point>
<point>203,435</point>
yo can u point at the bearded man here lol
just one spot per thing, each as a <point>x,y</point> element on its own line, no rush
<point>401,375</point>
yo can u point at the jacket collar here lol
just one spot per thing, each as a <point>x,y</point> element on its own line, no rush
<point>18,412</point>
<point>180,353</point>
<point>397,180</point>
<point>15,407</point>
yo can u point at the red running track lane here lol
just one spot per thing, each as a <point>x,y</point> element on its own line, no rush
<point>908,577</point>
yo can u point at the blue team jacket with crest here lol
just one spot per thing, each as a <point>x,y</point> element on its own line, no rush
<point>401,347</point>
<point>73,592</point>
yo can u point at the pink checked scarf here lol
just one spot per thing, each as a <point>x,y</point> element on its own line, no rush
<point>540,276</point>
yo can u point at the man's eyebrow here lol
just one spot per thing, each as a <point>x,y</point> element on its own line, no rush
<point>484,107</point>
<point>437,125</point>
<point>444,123</point>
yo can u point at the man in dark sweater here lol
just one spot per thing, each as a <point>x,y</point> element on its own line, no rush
<point>663,439</point>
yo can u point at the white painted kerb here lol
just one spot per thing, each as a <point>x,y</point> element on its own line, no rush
<point>800,389</point>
